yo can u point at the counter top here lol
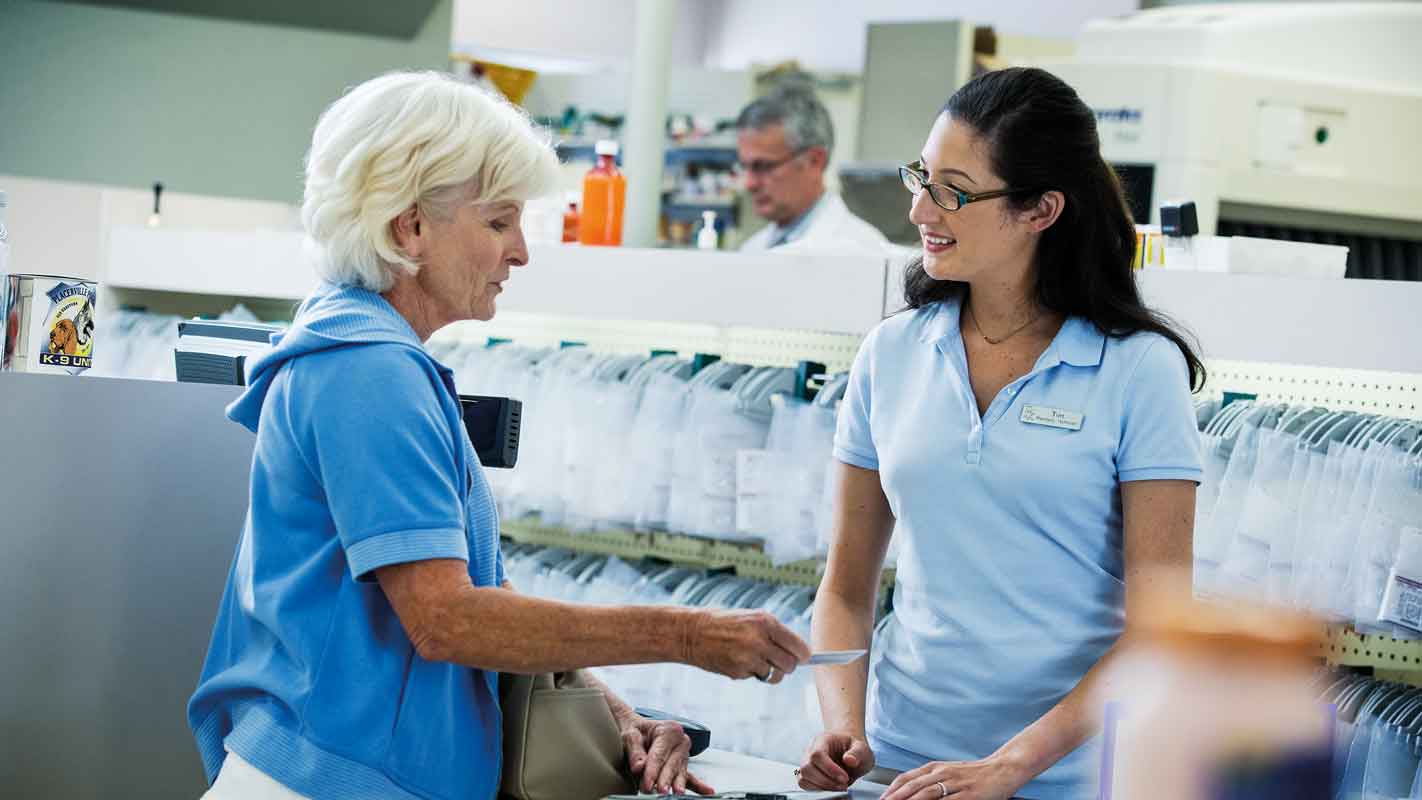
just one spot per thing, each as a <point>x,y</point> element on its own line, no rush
<point>734,772</point>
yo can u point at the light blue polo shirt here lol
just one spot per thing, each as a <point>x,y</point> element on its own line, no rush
<point>1010,574</point>
<point>361,461</point>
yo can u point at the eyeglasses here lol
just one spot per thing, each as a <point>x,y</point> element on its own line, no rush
<point>762,167</point>
<point>946,197</point>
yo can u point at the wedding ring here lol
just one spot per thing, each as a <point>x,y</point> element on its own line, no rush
<point>942,790</point>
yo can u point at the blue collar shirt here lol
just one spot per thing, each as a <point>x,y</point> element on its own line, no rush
<point>1010,578</point>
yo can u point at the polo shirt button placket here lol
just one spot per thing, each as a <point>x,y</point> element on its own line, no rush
<point>975,445</point>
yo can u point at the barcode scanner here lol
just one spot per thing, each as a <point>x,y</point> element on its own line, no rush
<point>493,426</point>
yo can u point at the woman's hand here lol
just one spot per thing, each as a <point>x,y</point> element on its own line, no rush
<point>992,778</point>
<point>657,754</point>
<point>834,761</point>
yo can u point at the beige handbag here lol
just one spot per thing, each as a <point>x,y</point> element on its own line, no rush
<point>560,740</point>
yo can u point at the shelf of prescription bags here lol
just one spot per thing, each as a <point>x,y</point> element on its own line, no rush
<point>747,558</point>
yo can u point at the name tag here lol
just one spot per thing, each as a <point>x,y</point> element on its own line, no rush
<point>1052,417</point>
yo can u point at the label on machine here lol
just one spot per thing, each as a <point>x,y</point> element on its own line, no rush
<point>49,323</point>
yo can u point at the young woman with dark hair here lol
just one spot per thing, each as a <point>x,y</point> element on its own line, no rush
<point>1025,427</point>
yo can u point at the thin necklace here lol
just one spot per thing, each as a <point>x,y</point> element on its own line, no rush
<point>991,340</point>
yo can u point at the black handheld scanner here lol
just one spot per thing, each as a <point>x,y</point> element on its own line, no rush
<point>493,425</point>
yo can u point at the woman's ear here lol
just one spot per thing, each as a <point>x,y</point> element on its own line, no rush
<point>1045,213</point>
<point>408,229</point>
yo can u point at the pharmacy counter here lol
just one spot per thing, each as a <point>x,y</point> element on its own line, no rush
<point>733,772</point>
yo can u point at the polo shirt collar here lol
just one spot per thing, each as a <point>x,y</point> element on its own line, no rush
<point>336,315</point>
<point>943,324</point>
<point>385,323</point>
<point>1078,343</point>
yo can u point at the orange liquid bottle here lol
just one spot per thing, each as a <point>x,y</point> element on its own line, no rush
<point>604,194</point>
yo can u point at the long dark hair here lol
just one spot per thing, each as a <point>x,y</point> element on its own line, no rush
<point>1041,134</point>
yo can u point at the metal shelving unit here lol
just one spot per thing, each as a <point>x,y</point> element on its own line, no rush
<point>723,154</point>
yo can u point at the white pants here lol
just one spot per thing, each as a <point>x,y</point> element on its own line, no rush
<point>239,780</point>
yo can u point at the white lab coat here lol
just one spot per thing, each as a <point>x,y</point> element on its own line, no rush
<point>830,226</point>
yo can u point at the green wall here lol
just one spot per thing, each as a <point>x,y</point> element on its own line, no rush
<point>122,97</point>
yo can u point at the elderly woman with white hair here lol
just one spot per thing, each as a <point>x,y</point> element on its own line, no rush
<point>366,617</point>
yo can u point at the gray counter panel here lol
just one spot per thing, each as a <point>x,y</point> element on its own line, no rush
<point>120,506</point>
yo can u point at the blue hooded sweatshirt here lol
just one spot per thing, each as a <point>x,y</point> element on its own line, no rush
<point>361,461</point>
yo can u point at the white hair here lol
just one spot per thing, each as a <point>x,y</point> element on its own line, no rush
<point>411,139</point>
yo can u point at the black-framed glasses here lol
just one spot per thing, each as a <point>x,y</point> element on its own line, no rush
<point>945,196</point>
<point>761,167</point>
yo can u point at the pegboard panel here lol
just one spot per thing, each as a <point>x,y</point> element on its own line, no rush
<point>602,335</point>
<point>747,558</point>
<point>1401,658</point>
<point>784,348</point>
<point>755,346</point>
<point>1393,394</point>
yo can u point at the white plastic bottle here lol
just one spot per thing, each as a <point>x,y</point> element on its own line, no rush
<point>706,239</point>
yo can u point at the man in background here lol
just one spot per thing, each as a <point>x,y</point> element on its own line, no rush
<point>784,141</point>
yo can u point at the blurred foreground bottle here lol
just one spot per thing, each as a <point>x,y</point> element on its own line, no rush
<point>1213,701</point>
